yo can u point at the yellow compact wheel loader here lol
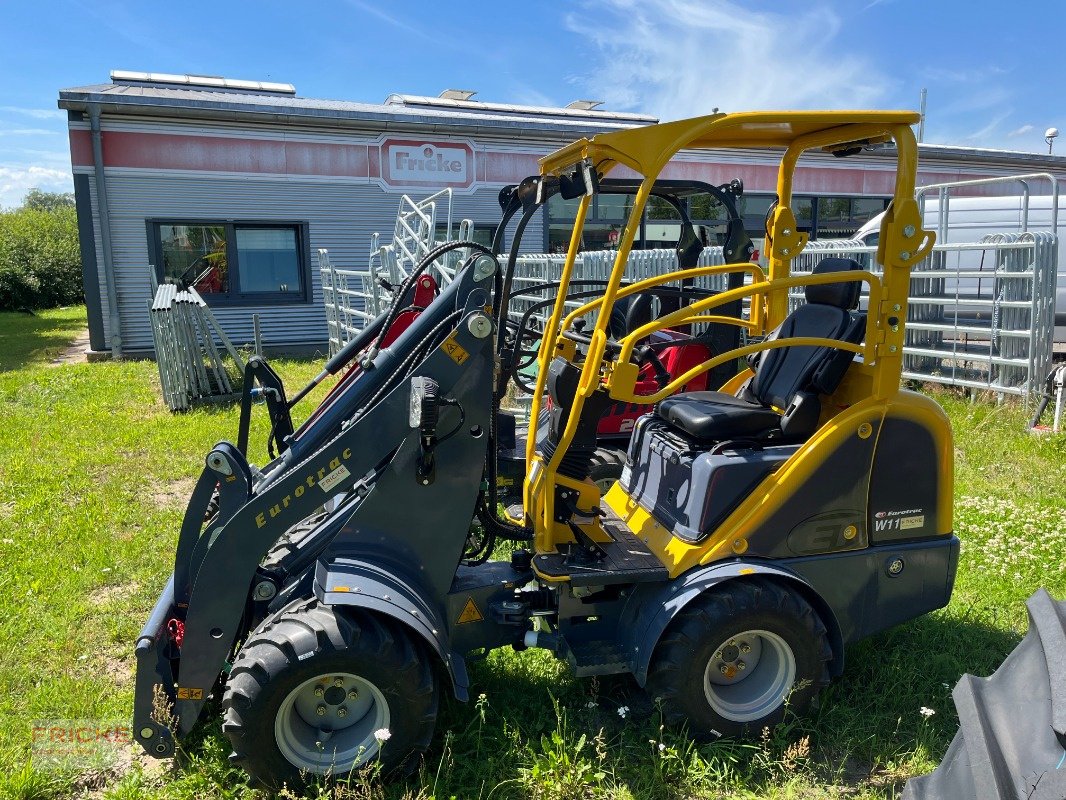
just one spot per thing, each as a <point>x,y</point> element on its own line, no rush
<point>755,531</point>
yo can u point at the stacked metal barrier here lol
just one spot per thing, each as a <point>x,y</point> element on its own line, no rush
<point>185,333</point>
<point>353,297</point>
<point>981,315</point>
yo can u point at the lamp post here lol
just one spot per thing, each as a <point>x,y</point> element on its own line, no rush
<point>1049,137</point>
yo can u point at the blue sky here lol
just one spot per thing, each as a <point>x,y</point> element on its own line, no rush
<point>993,71</point>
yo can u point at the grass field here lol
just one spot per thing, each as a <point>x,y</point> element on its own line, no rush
<point>94,474</point>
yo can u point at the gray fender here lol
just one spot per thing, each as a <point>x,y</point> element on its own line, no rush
<point>653,606</point>
<point>364,584</point>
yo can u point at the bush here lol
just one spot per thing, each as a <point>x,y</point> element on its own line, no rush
<point>40,263</point>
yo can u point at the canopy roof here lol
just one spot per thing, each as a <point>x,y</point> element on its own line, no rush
<point>646,149</point>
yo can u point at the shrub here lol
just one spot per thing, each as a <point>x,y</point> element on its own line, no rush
<point>40,263</point>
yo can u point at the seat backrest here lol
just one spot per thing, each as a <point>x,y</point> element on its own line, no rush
<point>828,314</point>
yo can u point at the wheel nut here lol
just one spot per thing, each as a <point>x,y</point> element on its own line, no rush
<point>353,695</point>
<point>319,691</point>
<point>724,669</point>
<point>342,712</point>
<point>338,682</point>
<point>741,665</point>
<point>718,656</point>
<point>321,711</point>
<point>745,648</point>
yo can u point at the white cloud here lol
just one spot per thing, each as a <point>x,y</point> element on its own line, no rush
<point>17,179</point>
<point>35,113</point>
<point>1024,129</point>
<point>26,132</point>
<point>681,58</point>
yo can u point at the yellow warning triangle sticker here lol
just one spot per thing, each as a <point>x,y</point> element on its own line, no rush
<point>470,613</point>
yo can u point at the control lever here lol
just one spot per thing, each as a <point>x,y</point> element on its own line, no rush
<point>647,355</point>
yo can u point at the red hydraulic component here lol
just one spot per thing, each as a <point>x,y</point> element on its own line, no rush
<point>425,291</point>
<point>176,631</point>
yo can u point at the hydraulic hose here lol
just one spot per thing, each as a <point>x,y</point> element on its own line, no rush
<point>408,284</point>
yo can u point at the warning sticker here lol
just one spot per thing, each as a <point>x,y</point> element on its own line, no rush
<point>186,693</point>
<point>455,350</point>
<point>470,613</point>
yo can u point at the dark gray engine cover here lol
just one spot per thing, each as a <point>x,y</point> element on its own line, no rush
<point>687,488</point>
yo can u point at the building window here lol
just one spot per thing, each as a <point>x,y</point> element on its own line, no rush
<point>482,234</point>
<point>232,263</point>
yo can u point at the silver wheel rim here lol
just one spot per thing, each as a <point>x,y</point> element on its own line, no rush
<point>605,484</point>
<point>749,675</point>
<point>326,725</point>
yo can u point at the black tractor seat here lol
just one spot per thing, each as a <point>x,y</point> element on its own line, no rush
<point>786,378</point>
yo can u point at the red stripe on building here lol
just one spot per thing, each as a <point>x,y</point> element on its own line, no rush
<point>508,167</point>
<point>224,154</point>
<point>164,151</point>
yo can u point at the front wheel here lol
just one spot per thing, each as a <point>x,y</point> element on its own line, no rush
<point>319,691</point>
<point>735,658</point>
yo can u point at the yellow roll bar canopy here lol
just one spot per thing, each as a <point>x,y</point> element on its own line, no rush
<point>647,150</point>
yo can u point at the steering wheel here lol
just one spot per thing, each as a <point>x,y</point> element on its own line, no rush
<point>525,350</point>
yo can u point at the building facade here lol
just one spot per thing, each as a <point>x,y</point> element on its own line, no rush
<point>235,185</point>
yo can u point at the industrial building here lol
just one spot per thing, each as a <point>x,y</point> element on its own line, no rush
<point>176,171</point>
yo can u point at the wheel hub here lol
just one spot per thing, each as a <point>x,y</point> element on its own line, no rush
<point>749,675</point>
<point>327,725</point>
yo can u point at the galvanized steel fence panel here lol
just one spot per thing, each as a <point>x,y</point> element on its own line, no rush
<point>981,315</point>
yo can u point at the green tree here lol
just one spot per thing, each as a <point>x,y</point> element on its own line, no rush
<point>40,260</point>
<point>39,200</point>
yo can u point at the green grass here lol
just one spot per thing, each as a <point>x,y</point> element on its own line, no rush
<point>94,473</point>
<point>27,339</point>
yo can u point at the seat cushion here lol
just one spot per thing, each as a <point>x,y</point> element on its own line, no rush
<point>713,416</point>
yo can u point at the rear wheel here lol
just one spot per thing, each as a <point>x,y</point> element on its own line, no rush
<point>606,467</point>
<point>320,691</point>
<point>735,658</point>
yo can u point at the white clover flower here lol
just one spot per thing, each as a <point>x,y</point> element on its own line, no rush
<point>382,735</point>
<point>662,747</point>
<point>926,712</point>
<point>623,711</point>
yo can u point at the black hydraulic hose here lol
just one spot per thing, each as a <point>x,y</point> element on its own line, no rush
<point>504,300</point>
<point>492,524</point>
<point>418,351</point>
<point>408,284</point>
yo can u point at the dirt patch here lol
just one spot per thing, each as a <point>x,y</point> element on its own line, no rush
<point>174,494</point>
<point>119,593</point>
<point>95,784</point>
<point>75,352</point>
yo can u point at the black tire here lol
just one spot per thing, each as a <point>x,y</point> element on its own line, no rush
<point>606,467</point>
<point>775,625</point>
<point>1011,741</point>
<point>386,671</point>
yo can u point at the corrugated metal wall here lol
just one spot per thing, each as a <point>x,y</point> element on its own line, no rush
<point>341,217</point>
